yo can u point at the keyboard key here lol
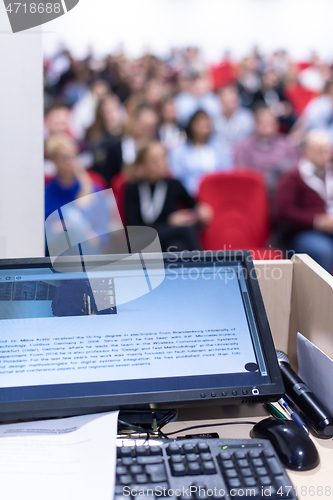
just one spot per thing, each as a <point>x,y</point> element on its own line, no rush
<point>247,472</point>
<point>231,473</point>
<point>191,457</point>
<point>188,448</point>
<point>141,451</point>
<point>141,478</point>
<point>228,464</point>
<point>158,477</point>
<point>205,456</point>
<point>125,480</point>
<point>148,486</point>
<point>254,453</point>
<point>283,487</point>
<point>240,454</point>
<point>250,481</point>
<point>274,465</point>
<point>155,450</point>
<point>209,468</point>
<point>176,459</point>
<point>136,469</point>
<point>178,470</point>
<point>127,461</point>
<point>261,471</point>
<point>257,462</point>
<point>118,489</point>
<point>121,471</point>
<point>265,481</point>
<point>194,468</point>
<point>150,460</point>
<point>225,455</point>
<point>126,451</point>
<point>203,448</point>
<point>156,472</point>
<point>243,462</point>
<point>173,449</point>
<point>234,483</point>
<point>152,469</point>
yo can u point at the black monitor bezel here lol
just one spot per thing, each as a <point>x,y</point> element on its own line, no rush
<point>83,404</point>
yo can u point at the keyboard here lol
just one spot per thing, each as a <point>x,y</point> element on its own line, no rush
<point>201,469</point>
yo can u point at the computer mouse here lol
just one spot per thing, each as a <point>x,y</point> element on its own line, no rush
<point>292,444</point>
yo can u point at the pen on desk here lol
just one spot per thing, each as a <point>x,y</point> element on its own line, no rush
<point>293,415</point>
<point>274,411</point>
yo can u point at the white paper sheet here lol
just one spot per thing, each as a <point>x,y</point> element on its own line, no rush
<point>315,368</point>
<point>67,459</point>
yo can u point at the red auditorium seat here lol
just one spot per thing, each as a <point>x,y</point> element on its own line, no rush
<point>223,74</point>
<point>299,96</point>
<point>241,213</point>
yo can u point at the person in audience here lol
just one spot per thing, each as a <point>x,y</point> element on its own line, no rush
<point>199,97</point>
<point>71,182</point>
<point>106,130</point>
<point>170,133</point>
<point>203,153</point>
<point>160,202</point>
<point>304,201</point>
<point>140,127</point>
<point>83,113</point>
<point>57,120</point>
<point>318,114</point>
<point>235,122</point>
<point>272,95</point>
<point>89,217</point>
<point>266,151</point>
<point>248,80</point>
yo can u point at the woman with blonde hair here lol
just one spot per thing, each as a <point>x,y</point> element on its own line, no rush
<point>88,216</point>
<point>71,181</point>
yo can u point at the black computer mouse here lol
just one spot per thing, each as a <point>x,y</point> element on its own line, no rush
<point>294,447</point>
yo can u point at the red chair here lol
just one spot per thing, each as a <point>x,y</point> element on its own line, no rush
<point>118,185</point>
<point>299,96</point>
<point>223,74</point>
<point>241,213</point>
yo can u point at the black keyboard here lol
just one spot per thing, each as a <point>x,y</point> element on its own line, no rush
<point>201,469</point>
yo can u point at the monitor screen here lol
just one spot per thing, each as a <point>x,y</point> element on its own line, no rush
<point>134,331</point>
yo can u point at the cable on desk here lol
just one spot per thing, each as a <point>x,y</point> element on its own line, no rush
<point>245,422</point>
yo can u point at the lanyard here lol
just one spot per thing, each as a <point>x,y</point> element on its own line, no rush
<point>151,205</point>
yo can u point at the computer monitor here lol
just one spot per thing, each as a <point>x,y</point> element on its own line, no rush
<point>133,332</point>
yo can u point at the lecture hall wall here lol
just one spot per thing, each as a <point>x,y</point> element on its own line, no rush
<point>297,25</point>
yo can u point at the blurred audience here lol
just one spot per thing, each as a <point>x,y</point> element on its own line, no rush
<point>305,201</point>
<point>160,202</point>
<point>203,153</point>
<point>266,150</point>
<point>235,114</point>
